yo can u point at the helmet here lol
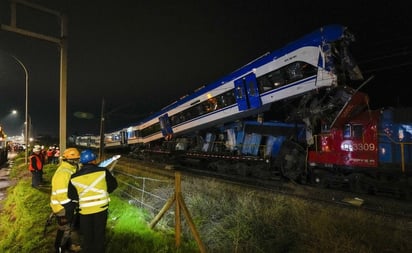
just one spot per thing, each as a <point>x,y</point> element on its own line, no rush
<point>71,153</point>
<point>87,156</point>
<point>36,149</point>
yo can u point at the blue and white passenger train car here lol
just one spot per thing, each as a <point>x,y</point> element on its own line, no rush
<point>88,141</point>
<point>115,139</point>
<point>317,61</point>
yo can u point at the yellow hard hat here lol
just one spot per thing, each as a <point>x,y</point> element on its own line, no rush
<point>71,153</point>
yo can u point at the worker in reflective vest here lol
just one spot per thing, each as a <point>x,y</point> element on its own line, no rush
<point>62,206</point>
<point>36,167</point>
<point>91,186</point>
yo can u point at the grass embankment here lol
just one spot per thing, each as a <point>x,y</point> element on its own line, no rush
<point>25,211</point>
<point>228,220</point>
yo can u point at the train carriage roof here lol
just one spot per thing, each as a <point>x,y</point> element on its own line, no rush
<point>327,33</point>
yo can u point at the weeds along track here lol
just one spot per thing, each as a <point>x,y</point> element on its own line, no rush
<point>387,207</point>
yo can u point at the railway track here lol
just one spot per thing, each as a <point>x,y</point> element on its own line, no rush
<point>385,206</point>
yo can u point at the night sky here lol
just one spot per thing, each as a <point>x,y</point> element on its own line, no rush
<point>142,55</point>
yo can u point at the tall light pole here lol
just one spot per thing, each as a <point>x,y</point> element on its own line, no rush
<point>26,116</point>
<point>61,41</point>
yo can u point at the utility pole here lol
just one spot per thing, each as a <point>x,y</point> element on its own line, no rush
<point>101,145</point>
<point>61,42</point>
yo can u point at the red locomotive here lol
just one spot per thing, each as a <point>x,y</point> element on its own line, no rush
<point>371,150</point>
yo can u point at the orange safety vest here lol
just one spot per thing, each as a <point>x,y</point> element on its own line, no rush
<point>39,163</point>
<point>49,153</point>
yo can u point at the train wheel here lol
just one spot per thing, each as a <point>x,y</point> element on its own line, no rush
<point>356,183</point>
<point>293,161</point>
<point>405,188</point>
<point>321,179</point>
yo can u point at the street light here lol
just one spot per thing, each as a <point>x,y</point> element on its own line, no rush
<point>3,121</point>
<point>26,117</point>
<point>8,116</point>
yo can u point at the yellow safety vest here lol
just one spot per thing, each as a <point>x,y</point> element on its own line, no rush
<point>60,182</point>
<point>92,191</point>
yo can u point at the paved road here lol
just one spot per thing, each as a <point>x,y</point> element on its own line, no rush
<point>4,176</point>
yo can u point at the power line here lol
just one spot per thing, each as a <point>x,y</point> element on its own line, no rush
<point>388,56</point>
<point>387,67</point>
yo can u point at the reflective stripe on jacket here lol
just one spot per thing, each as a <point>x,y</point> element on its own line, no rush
<point>60,182</point>
<point>92,191</point>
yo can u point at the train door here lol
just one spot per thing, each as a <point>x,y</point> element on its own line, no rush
<point>123,137</point>
<point>209,142</point>
<point>165,126</point>
<point>247,93</point>
<point>251,144</point>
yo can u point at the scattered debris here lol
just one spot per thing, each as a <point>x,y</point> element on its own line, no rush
<point>353,201</point>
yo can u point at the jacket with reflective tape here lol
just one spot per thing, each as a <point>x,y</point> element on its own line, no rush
<point>91,187</point>
<point>60,183</point>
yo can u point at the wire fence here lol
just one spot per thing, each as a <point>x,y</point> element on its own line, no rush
<point>144,192</point>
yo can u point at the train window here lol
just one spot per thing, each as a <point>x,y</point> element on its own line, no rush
<point>212,104</point>
<point>229,98</point>
<point>200,109</point>
<point>352,131</point>
<point>308,70</point>
<point>294,72</point>
<point>265,84</point>
<point>150,130</point>
<point>174,119</point>
<point>347,133</point>
<point>271,81</point>
<point>277,78</point>
<point>252,90</point>
<point>287,74</point>
<point>357,131</point>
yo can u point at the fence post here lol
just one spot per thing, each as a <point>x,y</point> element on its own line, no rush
<point>180,204</point>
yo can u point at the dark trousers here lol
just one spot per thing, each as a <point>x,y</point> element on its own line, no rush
<point>63,239</point>
<point>93,231</point>
<point>36,178</point>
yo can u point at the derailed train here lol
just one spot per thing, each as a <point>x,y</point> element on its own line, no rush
<point>289,113</point>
